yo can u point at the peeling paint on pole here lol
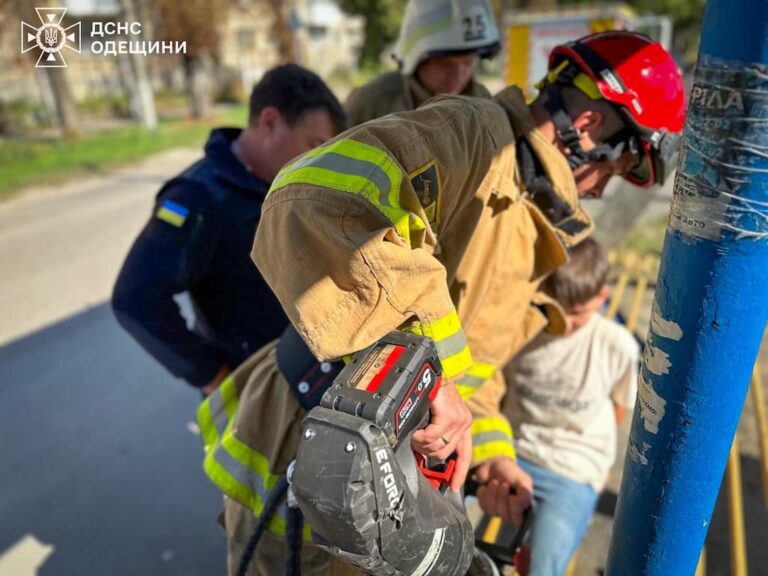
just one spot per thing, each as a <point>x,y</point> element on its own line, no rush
<point>710,308</point>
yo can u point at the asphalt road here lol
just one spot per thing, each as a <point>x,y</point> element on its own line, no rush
<point>101,462</point>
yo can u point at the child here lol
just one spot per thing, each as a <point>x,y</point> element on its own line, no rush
<point>565,397</point>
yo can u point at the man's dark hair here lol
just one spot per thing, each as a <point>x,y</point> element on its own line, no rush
<point>581,278</point>
<point>295,91</point>
<point>576,102</point>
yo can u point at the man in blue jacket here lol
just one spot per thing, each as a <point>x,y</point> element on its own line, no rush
<point>199,237</point>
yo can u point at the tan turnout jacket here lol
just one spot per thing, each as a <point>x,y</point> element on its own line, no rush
<point>416,221</point>
<point>420,220</point>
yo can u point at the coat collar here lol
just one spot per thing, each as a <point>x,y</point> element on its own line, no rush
<point>416,94</point>
<point>579,225</point>
<point>227,168</point>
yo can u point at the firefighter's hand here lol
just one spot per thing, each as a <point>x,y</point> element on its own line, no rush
<point>448,432</point>
<point>497,476</point>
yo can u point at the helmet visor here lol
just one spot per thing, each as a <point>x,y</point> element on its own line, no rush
<point>641,174</point>
<point>656,160</point>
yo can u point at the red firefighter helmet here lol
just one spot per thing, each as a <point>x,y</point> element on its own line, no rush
<point>639,77</point>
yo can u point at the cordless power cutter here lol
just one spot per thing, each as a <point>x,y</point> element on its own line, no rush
<point>368,498</point>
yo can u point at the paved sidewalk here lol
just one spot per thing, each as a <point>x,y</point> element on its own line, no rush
<point>61,247</point>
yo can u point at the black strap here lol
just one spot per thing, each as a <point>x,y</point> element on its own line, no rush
<point>542,193</point>
<point>307,377</point>
<point>270,507</point>
<point>294,527</point>
<point>606,151</point>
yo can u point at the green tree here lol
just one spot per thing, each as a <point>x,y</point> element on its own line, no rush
<point>57,80</point>
<point>382,24</point>
<point>686,21</point>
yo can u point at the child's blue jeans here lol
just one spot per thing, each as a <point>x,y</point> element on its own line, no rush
<point>562,511</point>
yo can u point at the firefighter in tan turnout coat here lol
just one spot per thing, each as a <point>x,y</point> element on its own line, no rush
<point>438,50</point>
<point>443,222</point>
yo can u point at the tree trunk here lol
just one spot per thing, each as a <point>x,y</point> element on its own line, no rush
<point>65,103</point>
<point>285,41</point>
<point>197,88</point>
<point>145,94</point>
<point>46,95</point>
<point>140,92</point>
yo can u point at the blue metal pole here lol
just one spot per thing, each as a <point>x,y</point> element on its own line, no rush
<point>710,307</point>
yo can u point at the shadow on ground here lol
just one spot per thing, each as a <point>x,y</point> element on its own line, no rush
<point>101,471</point>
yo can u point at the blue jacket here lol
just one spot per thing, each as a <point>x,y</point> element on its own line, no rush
<point>199,240</point>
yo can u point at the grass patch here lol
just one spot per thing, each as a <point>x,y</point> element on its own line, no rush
<point>648,238</point>
<point>24,162</point>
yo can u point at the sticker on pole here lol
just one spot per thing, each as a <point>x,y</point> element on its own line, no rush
<point>721,188</point>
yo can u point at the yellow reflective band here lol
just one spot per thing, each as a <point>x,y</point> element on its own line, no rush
<point>231,486</point>
<point>210,417</point>
<point>360,159</point>
<point>357,168</point>
<point>449,339</point>
<point>243,495</point>
<point>456,364</point>
<point>228,482</point>
<point>493,450</point>
<point>236,469</point>
<point>207,427</point>
<point>446,326</point>
<point>491,437</point>
<point>249,458</point>
<point>475,377</point>
<point>482,370</point>
<point>485,425</point>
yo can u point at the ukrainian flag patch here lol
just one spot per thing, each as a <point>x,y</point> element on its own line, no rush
<point>172,213</point>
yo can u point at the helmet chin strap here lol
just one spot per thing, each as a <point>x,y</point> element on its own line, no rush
<point>607,151</point>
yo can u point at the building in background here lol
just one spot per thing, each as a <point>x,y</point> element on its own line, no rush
<point>530,34</point>
<point>330,40</point>
<point>325,40</point>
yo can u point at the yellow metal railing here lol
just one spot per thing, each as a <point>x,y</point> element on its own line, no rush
<point>736,513</point>
<point>758,399</point>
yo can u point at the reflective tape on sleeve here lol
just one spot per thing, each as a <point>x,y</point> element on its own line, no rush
<point>351,166</point>
<point>491,437</point>
<point>449,339</point>
<point>474,378</point>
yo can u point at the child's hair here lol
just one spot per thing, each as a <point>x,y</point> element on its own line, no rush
<point>582,278</point>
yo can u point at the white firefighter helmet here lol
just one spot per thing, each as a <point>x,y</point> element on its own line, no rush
<point>442,27</point>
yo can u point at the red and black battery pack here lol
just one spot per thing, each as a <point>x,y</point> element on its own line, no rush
<point>390,383</point>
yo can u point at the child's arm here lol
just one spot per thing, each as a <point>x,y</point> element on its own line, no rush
<point>625,388</point>
<point>620,411</point>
